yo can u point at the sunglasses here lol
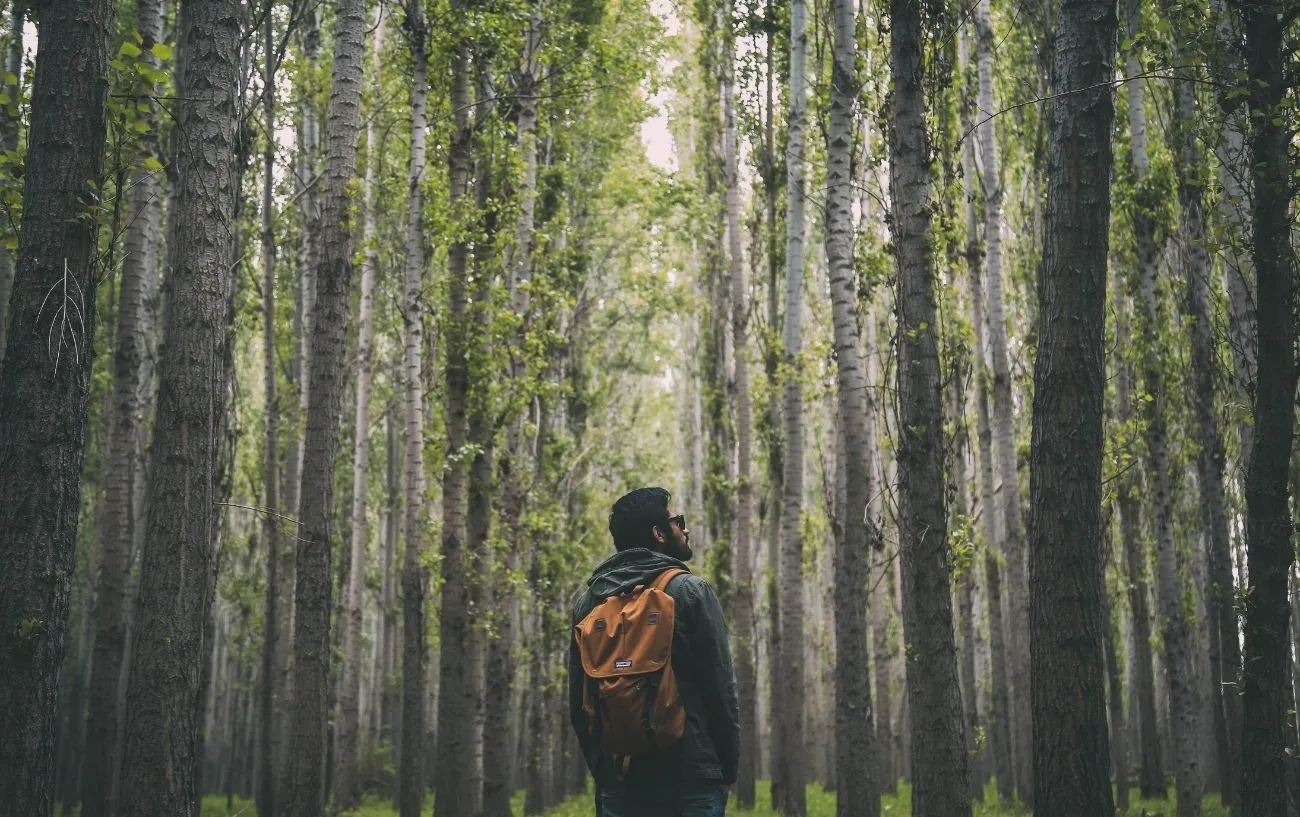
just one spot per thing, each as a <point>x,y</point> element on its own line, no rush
<point>679,520</point>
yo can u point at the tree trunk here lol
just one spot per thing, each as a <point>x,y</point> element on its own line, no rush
<point>1071,747</point>
<point>411,780</point>
<point>1175,630</point>
<point>1001,716</point>
<point>1266,695</point>
<point>1004,432</point>
<point>167,676</point>
<point>881,641</point>
<point>742,611</point>
<point>775,447</point>
<point>1151,778</point>
<point>856,791</point>
<point>1115,701</point>
<point>346,784</point>
<point>481,436</point>
<point>454,789</point>
<point>1225,651</point>
<point>938,753</point>
<point>139,265</point>
<point>273,694</point>
<point>789,718</point>
<point>44,390</point>
<point>325,406</point>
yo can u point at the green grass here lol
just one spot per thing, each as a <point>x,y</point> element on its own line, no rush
<point>821,803</point>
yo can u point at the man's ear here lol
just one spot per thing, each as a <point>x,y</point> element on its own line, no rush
<point>658,534</point>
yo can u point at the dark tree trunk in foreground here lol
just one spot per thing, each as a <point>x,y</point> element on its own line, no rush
<point>453,788</point>
<point>160,763</point>
<point>133,342</point>
<point>44,387</point>
<point>311,643</point>
<point>1267,694</point>
<point>1071,747</point>
<point>855,787</point>
<point>938,747</point>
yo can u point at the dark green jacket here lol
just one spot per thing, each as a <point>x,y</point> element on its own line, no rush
<point>710,748</point>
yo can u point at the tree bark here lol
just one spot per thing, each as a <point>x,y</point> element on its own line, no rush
<point>938,752</point>
<point>411,785</point>
<point>454,788</point>
<point>167,676</point>
<point>1175,630</point>
<point>855,788</point>
<point>346,784</point>
<point>742,611</point>
<point>44,390</point>
<point>272,692</point>
<point>1071,747</point>
<point>325,381</point>
<point>133,342</point>
<point>1004,431</point>
<point>1115,699</point>
<point>790,718</point>
<point>1267,697</point>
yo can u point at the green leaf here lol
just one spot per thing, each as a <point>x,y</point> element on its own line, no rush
<point>129,50</point>
<point>152,163</point>
<point>162,51</point>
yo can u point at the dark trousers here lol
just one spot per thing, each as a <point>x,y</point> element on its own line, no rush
<point>690,800</point>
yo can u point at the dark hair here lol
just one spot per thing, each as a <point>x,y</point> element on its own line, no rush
<point>636,514</point>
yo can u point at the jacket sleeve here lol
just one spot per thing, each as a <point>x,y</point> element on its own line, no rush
<point>717,679</point>
<point>576,716</point>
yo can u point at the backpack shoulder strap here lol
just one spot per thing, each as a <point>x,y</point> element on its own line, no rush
<point>661,582</point>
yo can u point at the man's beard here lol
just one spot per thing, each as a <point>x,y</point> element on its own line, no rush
<point>681,551</point>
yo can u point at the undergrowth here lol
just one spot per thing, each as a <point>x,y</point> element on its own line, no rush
<point>821,803</point>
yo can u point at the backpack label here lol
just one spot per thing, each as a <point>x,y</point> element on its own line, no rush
<point>622,663</point>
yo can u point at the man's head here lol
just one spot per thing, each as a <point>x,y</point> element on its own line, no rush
<point>644,519</point>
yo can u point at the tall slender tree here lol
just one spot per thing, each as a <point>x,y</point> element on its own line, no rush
<point>411,774</point>
<point>163,750</point>
<point>272,691</point>
<point>856,792</point>
<point>1071,747</point>
<point>938,750</point>
<point>1151,778</point>
<point>44,389</point>
<point>1266,694</point>
<point>790,718</point>
<point>1190,166</point>
<point>454,787</point>
<point>1152,328</point>
<point>346,785</point>
<point>1004,429</point>
<point>325,382</point>
<point>742,531</point>
<point>131,348</point>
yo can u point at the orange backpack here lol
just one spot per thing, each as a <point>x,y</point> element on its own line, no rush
<point>630,693</point>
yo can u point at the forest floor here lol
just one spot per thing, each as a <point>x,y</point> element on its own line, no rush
<point>821,803</point>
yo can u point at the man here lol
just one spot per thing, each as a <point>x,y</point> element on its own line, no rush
<point>690,777</point>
